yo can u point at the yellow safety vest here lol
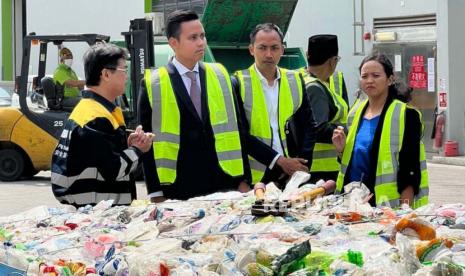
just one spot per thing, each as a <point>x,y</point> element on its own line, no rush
<point>325,155</point>
<point>166,121</point>
<point>358,101</point>
<point>289,101</point>
<point>388,158</point>
<point>334,86</point>
<point>336,83</point>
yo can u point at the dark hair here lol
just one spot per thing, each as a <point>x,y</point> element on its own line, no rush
<point>266,27</point>
<point>174,20</point>
<point>64,51</point>
<point>398,89</point>
<point>100,56</point>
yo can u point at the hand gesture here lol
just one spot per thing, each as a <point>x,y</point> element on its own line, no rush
<point>291,165</point>
<point>141,140</point>
<point>157,199</point>
<point>243,187</point>
<point>339,139</point>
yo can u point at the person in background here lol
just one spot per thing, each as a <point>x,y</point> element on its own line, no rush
<point>66,77</point>
<point>329,108</point>
<point>191,108</point>
<point>383,148</point>
<point>94,158</point>
<point>282,131</point>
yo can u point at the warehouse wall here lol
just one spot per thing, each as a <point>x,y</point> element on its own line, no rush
<point>337,17</point>
<point>451,66</point>
<point>109,17</point>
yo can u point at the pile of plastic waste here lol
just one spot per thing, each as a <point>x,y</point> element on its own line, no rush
<point>221,234</point>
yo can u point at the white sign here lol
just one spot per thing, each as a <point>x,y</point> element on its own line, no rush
<point>397,63</point>
<point>431,78</point>
<point>442,85</point>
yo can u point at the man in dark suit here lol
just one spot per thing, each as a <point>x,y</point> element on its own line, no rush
<point>191,108</point>
<point>281,129</point>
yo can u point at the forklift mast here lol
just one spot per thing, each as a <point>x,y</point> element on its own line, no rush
<point>139,42</point>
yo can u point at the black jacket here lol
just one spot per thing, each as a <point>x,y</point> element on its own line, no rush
<point>409,173</point>
<point>198,170</point>
<point>324,109</point>
<point>92,161</point>
<point>301,134</point>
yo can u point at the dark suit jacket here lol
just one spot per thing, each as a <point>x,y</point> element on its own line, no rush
<point>198,170</point>
<point>300,131</point>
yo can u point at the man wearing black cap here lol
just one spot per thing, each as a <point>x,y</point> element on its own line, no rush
<point>272,99</point>
<point>329,108</point>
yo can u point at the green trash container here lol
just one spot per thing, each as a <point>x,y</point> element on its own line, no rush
<point>228,24</point>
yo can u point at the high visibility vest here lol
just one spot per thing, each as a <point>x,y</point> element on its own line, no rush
<point>336,81</point>
<point>166,121</point>
<point>255,106</point>
<point>353,109</point>
<point>387,164</point>
<point>325,155</point>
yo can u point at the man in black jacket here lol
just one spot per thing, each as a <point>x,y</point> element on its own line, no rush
<point>330,108</point>
<point>282,131</point>
<point>94,157</point>
<point>190,107</point>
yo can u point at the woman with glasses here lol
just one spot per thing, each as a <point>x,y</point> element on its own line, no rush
<point>383,148</point>
<point>329,107</point>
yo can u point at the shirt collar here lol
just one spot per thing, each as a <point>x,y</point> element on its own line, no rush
<point>92,95</point>
<point>262,78</point>
<point>182,69</point>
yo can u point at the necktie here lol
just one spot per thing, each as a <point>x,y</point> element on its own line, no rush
<point>194,92</point>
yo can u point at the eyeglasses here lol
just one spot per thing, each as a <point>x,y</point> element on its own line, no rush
<point>337,58</point>
<point>125,70</point>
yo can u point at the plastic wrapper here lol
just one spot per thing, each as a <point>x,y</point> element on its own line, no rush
<point>217,235</point>
<point>256,269</point>
<point>416,227</point>
<point>291,190</point>
<point>385,263</point>
<point>407,252</point>
<point>272,193</point>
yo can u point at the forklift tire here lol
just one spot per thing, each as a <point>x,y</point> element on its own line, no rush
<point>29,170</point>
<point>11,165</point>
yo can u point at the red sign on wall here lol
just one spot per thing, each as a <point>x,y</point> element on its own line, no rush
<point>417,74</point>
<point>442,99</point>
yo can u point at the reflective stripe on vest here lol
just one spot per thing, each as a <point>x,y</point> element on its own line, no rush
<point>167,128</point>
<point>324,154</point>
<point>335,83</point>
<point>255,106</point>
<point>392,134</point>
<point>361,97</point>
<point>334,86</point>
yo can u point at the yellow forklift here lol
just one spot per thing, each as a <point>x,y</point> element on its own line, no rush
<point>29,134</point>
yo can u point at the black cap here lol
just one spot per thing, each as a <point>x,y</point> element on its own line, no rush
<point>321,48</point>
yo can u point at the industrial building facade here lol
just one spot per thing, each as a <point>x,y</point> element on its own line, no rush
<point>422,37</point>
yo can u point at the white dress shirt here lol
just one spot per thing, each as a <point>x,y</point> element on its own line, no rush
<point>272,98</point>
<point>183,70</point>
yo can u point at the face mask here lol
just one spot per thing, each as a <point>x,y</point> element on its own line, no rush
<point>68,62</point>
